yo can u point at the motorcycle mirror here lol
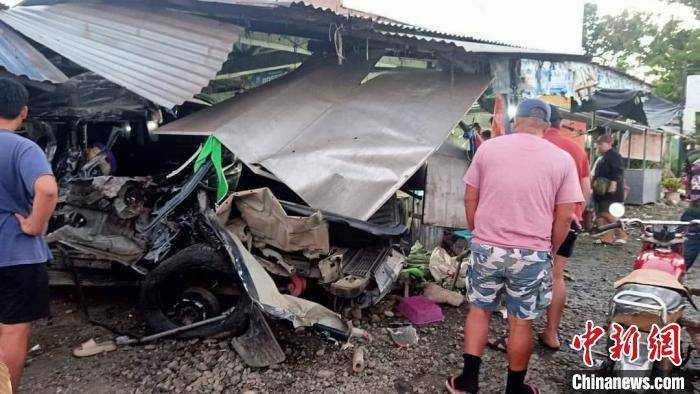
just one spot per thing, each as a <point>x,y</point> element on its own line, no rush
<point>617,210</point>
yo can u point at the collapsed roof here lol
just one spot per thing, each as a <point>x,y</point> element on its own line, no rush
<point>342,145</point>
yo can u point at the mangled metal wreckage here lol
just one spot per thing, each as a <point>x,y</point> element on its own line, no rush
<point>166,229</point>
<point>338,141</point>
<point>203,265</point>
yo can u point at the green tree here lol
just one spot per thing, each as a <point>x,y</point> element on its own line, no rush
<point>615,40</point>
<point>632,41</point>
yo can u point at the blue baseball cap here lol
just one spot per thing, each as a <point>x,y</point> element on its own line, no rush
<point>534,108</point>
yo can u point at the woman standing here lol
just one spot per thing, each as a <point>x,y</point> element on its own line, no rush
<point>608,188</point>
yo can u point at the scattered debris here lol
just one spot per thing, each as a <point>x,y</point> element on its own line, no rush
<point>404,336</point>
<point>92,348</point>
<point>360,333</point>
<point>440,295</point>
<point>498,343</point>
<point>356,313</point>
<point>418,255</point>
<point>358,359</point>
<point>446,269</point>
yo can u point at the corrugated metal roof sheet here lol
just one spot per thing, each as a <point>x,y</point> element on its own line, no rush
<point>20,58</point>
<point>164,56</point>
<point>342,146</point>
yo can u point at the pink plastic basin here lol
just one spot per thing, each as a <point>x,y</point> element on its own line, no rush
<point>420,311</point>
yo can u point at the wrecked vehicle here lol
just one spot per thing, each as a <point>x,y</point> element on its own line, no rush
<point>147,229</point>
<point>154,232</point>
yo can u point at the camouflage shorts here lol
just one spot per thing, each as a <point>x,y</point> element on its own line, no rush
<point>525,275</point>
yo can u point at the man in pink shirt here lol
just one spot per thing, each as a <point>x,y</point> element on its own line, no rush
<point>520,198</point>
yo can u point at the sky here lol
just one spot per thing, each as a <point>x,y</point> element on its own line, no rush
<point>553,25</point>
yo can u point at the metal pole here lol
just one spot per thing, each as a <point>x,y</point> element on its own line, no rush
<point>661,155</point>
<point>629,149</point>
<point>184,328</point>
<point>591,152</point>
<point>644,160</point>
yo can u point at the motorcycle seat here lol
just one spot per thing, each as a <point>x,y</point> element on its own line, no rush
<point>641,316</point>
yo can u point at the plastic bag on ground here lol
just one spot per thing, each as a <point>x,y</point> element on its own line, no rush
<point>443,267</point>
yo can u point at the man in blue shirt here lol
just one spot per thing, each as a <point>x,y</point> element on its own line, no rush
<point>28,194</point>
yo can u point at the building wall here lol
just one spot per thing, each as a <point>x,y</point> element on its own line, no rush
<point>570,79</point>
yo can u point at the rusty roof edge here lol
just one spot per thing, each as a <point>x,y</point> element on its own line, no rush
<point>490,49</point>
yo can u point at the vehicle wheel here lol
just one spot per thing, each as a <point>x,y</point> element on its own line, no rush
<point>195,284</point>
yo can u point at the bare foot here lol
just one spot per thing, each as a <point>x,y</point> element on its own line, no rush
<point>549,341</point>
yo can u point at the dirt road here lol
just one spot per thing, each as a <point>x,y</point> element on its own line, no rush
<point>312,365</point>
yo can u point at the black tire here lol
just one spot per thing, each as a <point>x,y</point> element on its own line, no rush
<point>202,260</point>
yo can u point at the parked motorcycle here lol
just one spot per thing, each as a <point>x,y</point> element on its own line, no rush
<point>653,293</point>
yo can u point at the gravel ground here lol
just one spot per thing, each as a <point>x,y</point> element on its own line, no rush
<point>313,365</point>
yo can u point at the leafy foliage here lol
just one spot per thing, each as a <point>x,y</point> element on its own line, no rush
<point>633,41</point>
<point>672,184</point>
<point>616,40</point>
